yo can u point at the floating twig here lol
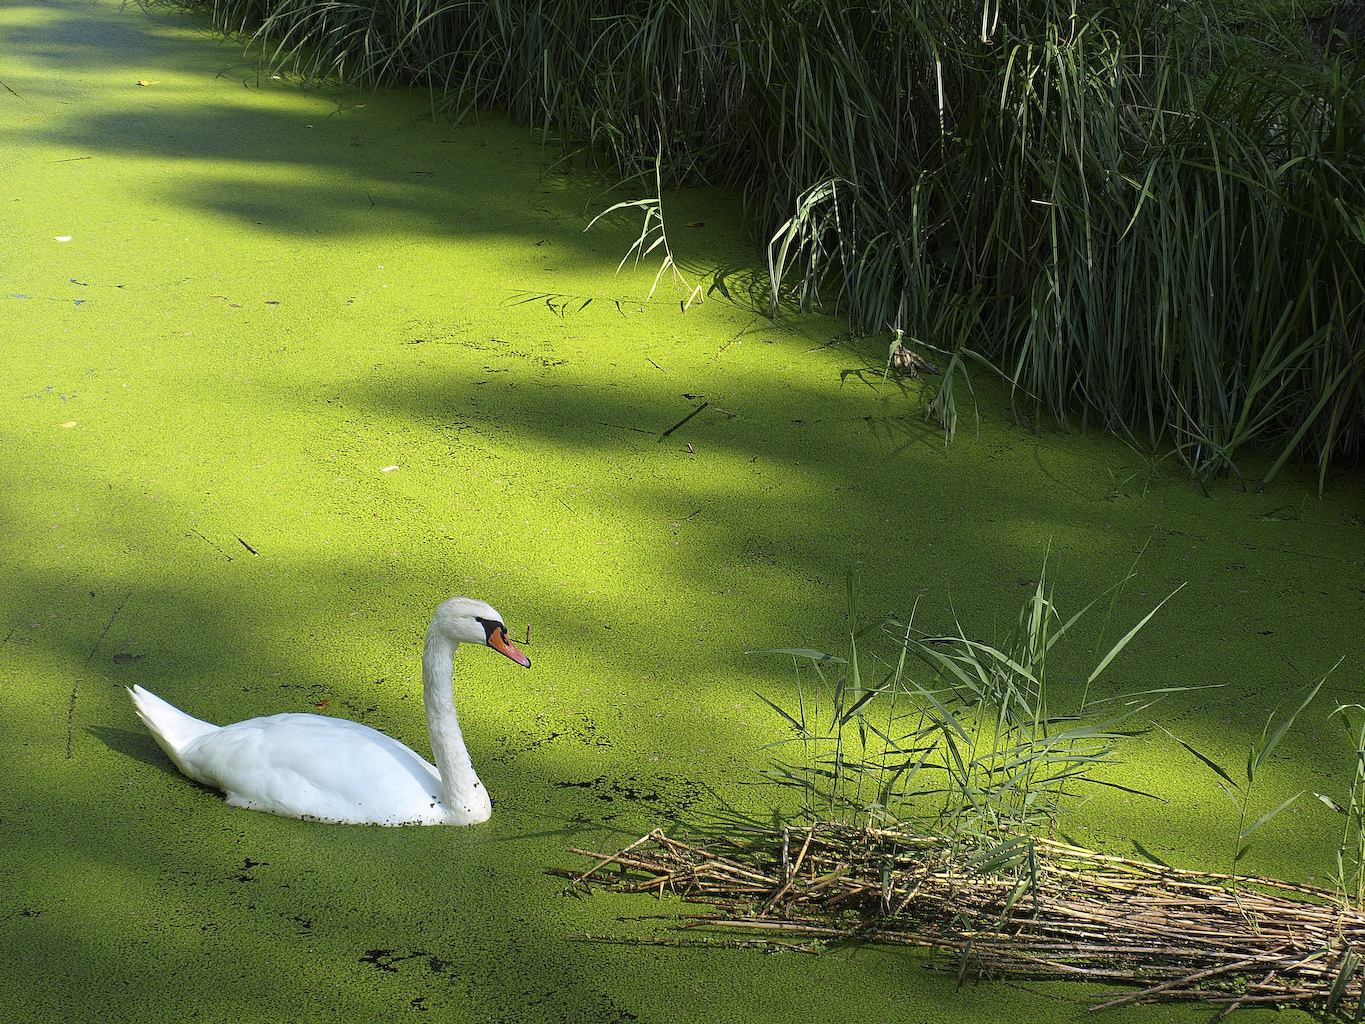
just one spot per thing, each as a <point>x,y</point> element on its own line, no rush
<point>684,419</point>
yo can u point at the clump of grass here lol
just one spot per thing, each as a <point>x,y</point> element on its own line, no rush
<point>1143,215</point>
<point>653,236</point>
<point>930,782</point>
<point>949,732</point>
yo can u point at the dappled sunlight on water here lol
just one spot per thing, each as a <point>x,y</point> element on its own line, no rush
<point>310,362</point>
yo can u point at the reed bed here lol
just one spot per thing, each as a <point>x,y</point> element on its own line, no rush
<point>1039,910</point>
<point>1146,214</point>
<point>925,784</point>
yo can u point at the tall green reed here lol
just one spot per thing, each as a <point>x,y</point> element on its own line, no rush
<point>1350,857</point>
<point>1240,793</point>
<point>653,236</point>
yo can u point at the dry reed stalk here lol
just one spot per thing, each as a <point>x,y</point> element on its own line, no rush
<point>1070,913</point>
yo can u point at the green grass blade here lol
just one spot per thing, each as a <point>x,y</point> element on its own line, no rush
<point>1122,643</point>
<point>1209,762</point>
<point>1268,747</point>
<point>1248,830</point>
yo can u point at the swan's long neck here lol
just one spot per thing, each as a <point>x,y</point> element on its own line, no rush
<point>460,785</point>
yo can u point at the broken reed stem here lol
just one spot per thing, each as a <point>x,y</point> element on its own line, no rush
<point>1171,933</point>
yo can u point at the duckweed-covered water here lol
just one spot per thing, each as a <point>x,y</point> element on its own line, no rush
<point>283,367</point>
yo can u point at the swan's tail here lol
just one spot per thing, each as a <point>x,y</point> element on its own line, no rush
<point>170,727</point>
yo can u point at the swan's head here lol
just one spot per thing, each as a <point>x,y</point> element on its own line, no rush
<point>465,620</point>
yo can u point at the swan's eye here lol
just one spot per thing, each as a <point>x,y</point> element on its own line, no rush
<point>491,627</point>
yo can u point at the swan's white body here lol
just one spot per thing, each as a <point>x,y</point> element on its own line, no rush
<point>331,769</point>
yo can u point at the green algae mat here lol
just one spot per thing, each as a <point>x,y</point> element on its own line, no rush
<point>286,365</point>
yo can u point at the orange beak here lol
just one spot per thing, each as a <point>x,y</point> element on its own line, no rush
<point>497,640</point>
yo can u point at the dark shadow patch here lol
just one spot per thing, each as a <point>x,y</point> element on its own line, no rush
<point>671,795</point>
<point>139,746</point>
<point>580,728</point>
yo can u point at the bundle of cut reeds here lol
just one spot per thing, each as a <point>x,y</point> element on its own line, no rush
<point>1027,907</point>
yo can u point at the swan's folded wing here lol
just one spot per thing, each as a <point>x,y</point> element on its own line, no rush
<point>322,769</point>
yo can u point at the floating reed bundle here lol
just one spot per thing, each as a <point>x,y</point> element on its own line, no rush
<point>1026,908</point>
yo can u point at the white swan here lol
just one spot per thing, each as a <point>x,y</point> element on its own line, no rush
<point>331,769</point>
